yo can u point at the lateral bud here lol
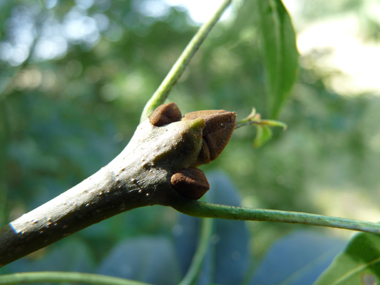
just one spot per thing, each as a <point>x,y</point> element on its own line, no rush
<point>165,114</point>
<point>191,183</point>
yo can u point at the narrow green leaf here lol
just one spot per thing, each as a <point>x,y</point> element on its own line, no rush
<point>273,123</point>
<point>262,136</point>
<point>359,263</point>
<point>280,51</point>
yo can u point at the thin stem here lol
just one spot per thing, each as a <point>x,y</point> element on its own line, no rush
<point>208,210</point>
<point>192,273</point>
<point>9,82</point>
<point>6,87</point>
<point>245,123</point>
<point>4,142</point>
<point>179,67</point>
<point>64,277</point>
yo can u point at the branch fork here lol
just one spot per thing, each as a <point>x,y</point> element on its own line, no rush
<point>157,167</point>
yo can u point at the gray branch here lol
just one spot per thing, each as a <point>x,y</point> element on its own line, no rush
<point>139,176</point>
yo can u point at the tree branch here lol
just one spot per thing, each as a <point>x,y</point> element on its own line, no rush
<point>138,176</point>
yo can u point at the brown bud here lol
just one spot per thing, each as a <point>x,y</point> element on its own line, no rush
<point>165,114</point>
<point>216,134</point>
<point>191,183</point>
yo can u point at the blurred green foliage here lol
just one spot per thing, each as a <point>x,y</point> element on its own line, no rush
<point>72,105</point>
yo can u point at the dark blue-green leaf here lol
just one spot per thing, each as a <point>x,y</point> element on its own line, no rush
<point>297,259</point>
<point>147,259</point>
<point>71,255</point>
<point>227,259</point>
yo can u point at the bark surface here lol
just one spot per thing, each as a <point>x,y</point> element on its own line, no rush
<point>139,176</point>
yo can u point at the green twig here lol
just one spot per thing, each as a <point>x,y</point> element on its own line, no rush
<point>179,67</point>
<point>207,210</point>
<point>8,83</point>
<point>270,123</point>
<point>192,273</point>
<point>6,87</point>
<point>64,277</point>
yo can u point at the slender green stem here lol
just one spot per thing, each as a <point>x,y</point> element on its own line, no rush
<point>243,123</point>
<point>7,85</point>
<point>207,210</point>
<point>64,277</point>
<point>5,88</point>
<point>192,273</point>
<point>179,67</point>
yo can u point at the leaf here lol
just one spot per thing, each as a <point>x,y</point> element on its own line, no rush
<point>359,263</point>
<point>273,123</point>
<point>228,256</point>
<point>231,238</point>
<point>73,255</point>
<point>262,136</point>
<point>280,51</point>
<point>297,259</point>
<point>147,259</point>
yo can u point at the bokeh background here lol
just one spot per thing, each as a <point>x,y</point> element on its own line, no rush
<point>75,76</point>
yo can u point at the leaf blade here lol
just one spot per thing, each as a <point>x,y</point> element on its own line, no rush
<point>358,262</point>
<point>263,135</point>
<point>280,51</point>
<point>297,259</point>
